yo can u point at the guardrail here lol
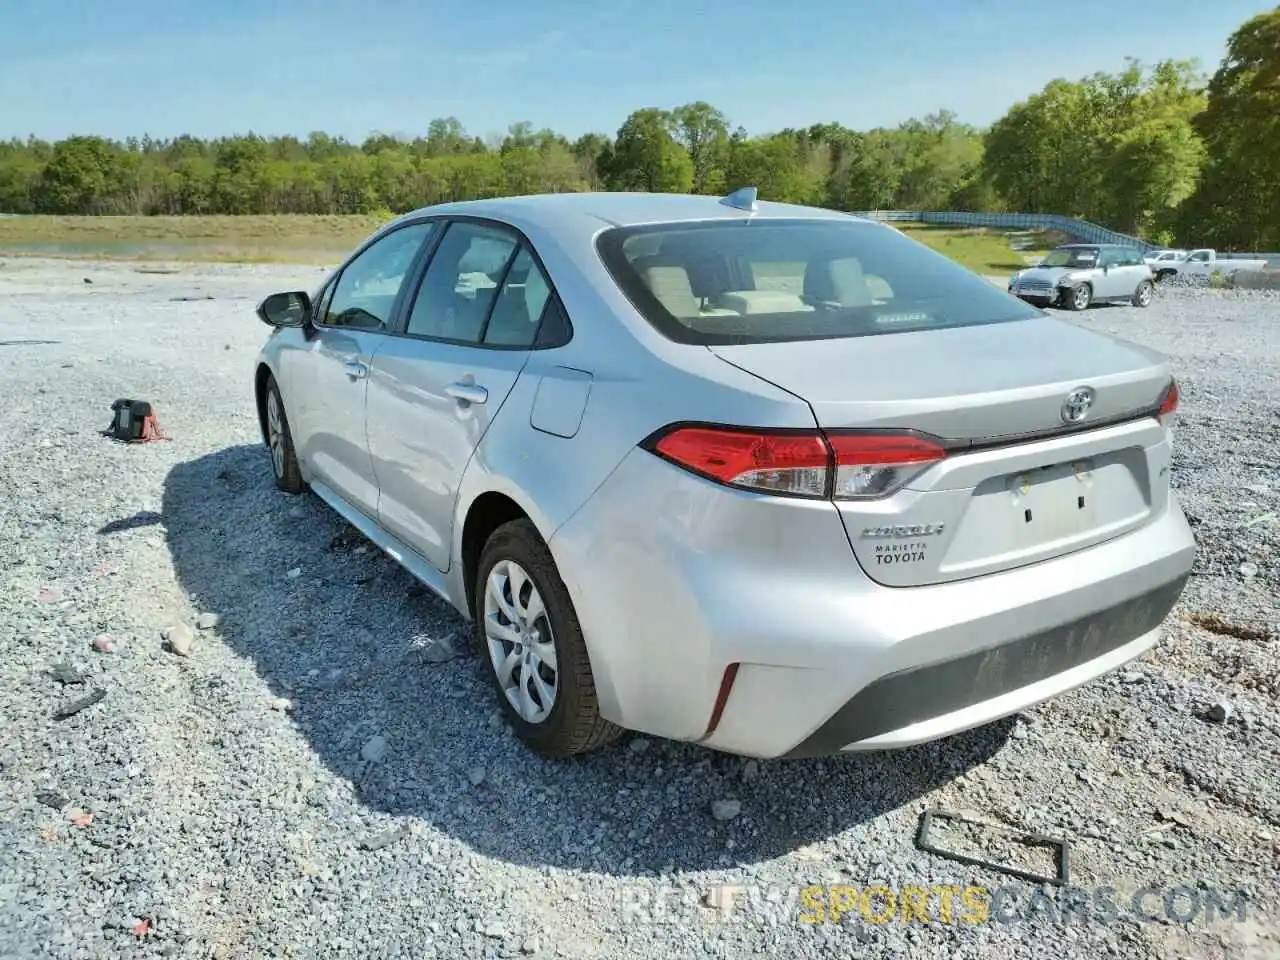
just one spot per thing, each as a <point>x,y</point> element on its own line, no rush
<point>1080,230</point>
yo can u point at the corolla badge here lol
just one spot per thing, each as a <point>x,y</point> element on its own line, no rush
<point>903,530</point>
<point>1076,407</point>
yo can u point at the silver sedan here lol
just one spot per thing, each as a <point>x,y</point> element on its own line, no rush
<point>773,479</point>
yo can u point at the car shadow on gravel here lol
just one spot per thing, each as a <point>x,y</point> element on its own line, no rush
<point>328,621</point>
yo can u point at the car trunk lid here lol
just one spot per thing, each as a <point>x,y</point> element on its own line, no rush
<point>1022,482</point>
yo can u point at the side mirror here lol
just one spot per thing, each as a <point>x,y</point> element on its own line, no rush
<point>285,309</point>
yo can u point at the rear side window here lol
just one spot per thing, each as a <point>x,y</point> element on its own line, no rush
<point>758,281</point>
<point>461,283</point>
<point>514,319</point>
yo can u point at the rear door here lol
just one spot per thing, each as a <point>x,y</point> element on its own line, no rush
<point>436,386</point>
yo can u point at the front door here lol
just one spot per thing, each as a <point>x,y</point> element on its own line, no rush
<point>1109,278</point>
<point>1198,264</point>
<point>352,321</point>
<point>434,390</point>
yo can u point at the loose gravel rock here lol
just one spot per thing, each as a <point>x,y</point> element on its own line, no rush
<point>727,809</point>
<point>385,814</point>
<point>179,639</point>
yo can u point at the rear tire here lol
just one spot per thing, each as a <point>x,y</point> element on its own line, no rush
<point>1079,297</point>
<point>1143,296</point>
<point>519,599</point>
<point>284,459</point>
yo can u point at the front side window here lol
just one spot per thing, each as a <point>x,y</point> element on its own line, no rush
<point>321,309</point>
<point>365,293</point>
<point>739,281</point>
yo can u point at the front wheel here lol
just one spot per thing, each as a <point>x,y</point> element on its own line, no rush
<point>535,653</point>
<point>1079,297</point>
<point>1143,295</point>
<point>284,459</point>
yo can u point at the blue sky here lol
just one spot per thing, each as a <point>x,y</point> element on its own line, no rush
<point>349,67</point>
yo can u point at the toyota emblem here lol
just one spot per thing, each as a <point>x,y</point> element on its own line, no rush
<point>1076,407</point>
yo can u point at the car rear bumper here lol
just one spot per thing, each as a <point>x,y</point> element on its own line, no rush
<point>676,581</point>
<point>938,699</point>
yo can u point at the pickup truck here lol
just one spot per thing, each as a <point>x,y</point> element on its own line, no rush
<point>1158,258</point>
<point>1203,264</point>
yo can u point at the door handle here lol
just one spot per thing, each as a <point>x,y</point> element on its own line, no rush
<point>356,370</point>
<point>467,392</point>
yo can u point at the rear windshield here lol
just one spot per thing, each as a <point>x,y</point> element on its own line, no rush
<point>757,281</point>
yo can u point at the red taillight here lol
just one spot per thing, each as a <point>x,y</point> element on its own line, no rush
<point>1169,405</point>
<point>804,463</point>
<point>792,462</point>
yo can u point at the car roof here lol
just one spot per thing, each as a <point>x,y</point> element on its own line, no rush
<point>602,209</point>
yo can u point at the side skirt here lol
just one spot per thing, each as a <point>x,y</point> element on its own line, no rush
<point>419,567</point>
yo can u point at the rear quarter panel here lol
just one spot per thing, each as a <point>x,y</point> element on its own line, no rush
<point>632,393</point>
<point>638,382</point>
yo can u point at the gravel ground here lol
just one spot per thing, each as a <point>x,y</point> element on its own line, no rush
<point>319,775</point>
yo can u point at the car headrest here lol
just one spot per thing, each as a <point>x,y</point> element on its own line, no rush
<point>669,282</point>
<point>837,281</point>
<point>708,274</point>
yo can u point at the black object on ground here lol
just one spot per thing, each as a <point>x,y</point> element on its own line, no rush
<point>66,674</point>
<point>926,843</point>
<point>75,706</point>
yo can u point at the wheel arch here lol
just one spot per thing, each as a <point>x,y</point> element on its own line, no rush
<point>1068,299</point>
<point>260,378</point>
<point>484,514</point>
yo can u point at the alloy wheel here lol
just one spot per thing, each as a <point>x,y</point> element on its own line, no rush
<point>520,640</point>
<point>275,432</point>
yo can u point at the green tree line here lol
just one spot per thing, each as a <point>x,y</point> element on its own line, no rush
<point>1159,151</point>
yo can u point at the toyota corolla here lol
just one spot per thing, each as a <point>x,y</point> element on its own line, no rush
<point>772,479</point>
